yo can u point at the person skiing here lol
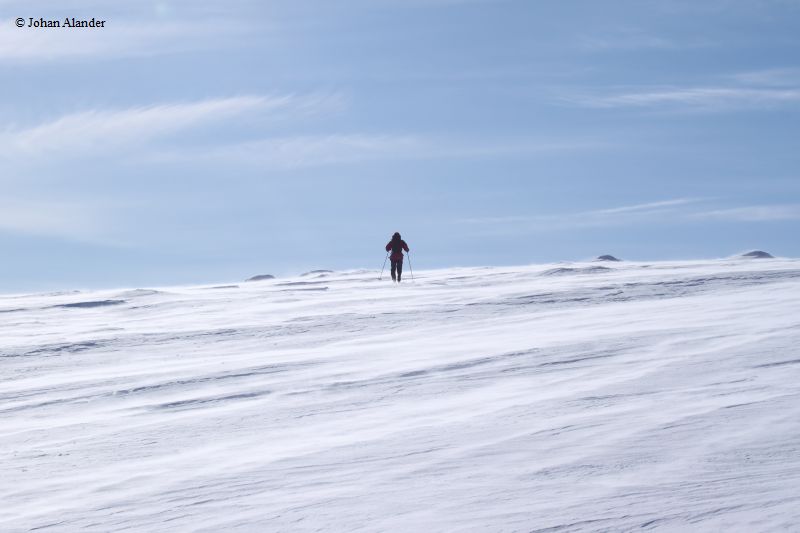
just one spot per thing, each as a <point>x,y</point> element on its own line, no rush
<point>396,246</point>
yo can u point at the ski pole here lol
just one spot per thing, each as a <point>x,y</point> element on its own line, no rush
<point>410,267</point>
<point>384,266</point>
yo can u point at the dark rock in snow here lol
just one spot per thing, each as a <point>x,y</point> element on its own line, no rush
<point>261,277</point>
<point>88,305</point>
<point>606,258</point>
<point>564,271</point>
<point>758,254</point>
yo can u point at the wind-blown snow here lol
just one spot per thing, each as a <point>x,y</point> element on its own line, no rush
<point>565,397</point>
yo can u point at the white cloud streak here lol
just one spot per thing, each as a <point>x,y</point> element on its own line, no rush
<point>153,133</point>
<point>753,213</point>
<point>593,218</point>
<point>675,210</point>
<point>774,77</point>
<point>104,132</point>
<point>314,150</point>
<point>645,208</point>
<point>700,98</point>
<point>173,133</point>
<point>320,150</point>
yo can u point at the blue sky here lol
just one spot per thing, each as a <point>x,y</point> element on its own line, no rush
<point>209,141</point>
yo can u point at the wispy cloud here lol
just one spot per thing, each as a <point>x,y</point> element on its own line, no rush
<point>593,218</point>
<point>753,213</point>
<point>154,133</point>
<point>104,132</point>
<point>624,39</point>
<point>773,77</point>
<point>692,210</point>
<point>698,98</point>
<point>318,150</point>
<point>313,150</point>
<point>650,207</point>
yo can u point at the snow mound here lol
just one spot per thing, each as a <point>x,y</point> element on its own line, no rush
<point>140,292</point>
<point>261,277</point>
<point>758,254</point>
<point>606,258</point>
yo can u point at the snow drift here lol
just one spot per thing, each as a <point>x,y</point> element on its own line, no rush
<point>551,397</point>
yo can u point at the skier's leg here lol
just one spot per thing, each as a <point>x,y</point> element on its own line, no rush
<point>399,269</point>
<point>394,270</point>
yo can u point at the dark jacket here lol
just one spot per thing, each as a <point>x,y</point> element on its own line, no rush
<point>396,246</point>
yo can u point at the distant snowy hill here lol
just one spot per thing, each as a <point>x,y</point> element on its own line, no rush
<point>561,397</point>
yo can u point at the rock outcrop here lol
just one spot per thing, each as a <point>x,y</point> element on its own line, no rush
<point>757,254</point>
<point>261,277</point>
<point>317,273</point>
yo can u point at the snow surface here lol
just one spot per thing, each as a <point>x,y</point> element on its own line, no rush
<point>561,397</point>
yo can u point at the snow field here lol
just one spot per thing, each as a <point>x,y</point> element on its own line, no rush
<point>569,397</point>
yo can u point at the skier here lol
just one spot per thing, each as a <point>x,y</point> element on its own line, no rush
<point>396,246</point>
